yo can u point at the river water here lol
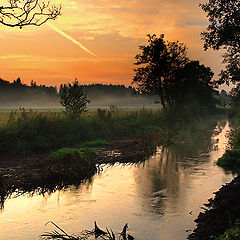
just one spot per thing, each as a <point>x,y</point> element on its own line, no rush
<point>159,199</point>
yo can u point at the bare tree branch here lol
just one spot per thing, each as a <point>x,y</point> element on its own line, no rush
<point>19,13</point>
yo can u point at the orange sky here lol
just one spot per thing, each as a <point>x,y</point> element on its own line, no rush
<point>110,29</point>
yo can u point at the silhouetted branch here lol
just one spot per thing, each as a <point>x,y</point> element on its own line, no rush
<point>27,12</point>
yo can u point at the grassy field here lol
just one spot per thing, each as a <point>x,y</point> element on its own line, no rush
<point>25,131</point>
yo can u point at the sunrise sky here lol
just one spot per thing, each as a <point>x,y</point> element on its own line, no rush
<point>110,30</point>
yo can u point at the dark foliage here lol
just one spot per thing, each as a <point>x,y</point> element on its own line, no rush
<point>159,62</point>
<point>221,213</point>
<point>164,69</point>
<point>73,98</point>
<point>17,93</point>
<point>224,32</point>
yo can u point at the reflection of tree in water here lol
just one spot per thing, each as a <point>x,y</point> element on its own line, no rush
<point>45,191</point>
<point>169,171</point>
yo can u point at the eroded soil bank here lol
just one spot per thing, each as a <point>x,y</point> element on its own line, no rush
<point>26,174</point>
<point>221,212</point>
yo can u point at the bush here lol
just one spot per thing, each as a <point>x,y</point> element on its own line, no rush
<point>230,159</point>
<point>73,99</point>
<point>232,233</point>
<point>80,158</point>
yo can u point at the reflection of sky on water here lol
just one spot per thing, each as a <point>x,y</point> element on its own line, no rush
<point>154,197</point>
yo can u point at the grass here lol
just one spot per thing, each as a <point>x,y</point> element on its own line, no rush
<point>30,131</point>
<point>79,157</point>
<point>96,143</point>
<point>98,233</point>
<point>232,233</point>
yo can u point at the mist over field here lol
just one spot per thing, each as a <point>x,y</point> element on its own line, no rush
<point>16,95</point>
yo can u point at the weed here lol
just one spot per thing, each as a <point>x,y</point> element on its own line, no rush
<point>77,157</point>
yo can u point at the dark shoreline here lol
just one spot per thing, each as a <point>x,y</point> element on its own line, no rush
<point>39,173</point>
<point>221,212</point>
<point>30,174</point>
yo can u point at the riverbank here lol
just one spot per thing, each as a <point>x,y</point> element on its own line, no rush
<point>124,187</point>
<point>221,213</point>
<point>39,171</point>
<point>220,221</point>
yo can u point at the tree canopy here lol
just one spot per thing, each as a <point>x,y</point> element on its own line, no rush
<point>73,98</point>
<point>224,32</point>
<point>165,69</point>
<point>19,13</point>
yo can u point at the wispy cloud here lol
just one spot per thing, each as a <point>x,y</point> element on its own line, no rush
<point>71,39</point>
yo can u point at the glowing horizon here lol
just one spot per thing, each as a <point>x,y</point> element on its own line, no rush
<point>100,28</point>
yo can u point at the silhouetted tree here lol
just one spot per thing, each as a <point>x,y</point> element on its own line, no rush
<point>195,81</point>
<point>224,32</point>
<point>19,13</point>
<point>159,63</point>
<point>166,70</point>
<point>73,98</point>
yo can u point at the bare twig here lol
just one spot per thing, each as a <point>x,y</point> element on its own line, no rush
<point>27,12</point>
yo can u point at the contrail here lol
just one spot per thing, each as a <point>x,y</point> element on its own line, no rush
<point>71,39</point>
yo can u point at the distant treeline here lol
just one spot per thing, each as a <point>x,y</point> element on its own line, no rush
<point>17,94</point>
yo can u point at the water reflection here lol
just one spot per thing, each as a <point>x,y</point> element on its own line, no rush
<point>168,177</point>
<point>46,190</point>
<point>158,198</point>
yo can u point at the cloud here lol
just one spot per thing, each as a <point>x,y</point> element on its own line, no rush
<point>111,29</point>
<point>71,39</point>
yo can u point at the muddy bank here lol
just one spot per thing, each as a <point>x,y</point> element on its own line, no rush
<point>30,173</point>
<point>220,214</point>
<point>26,174</point>
<point>131,150</point>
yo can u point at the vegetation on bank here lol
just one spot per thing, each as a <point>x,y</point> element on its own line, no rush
<point>221,214</point>
<point>96,143</point>
<point>32,132</point>
<point>36,132</point>
<point>79,157</point>
<point>232,233</point>
<point>231,158</point>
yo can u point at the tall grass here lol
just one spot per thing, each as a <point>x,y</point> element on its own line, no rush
<point>29,131</point>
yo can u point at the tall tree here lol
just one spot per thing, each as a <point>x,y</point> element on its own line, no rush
<point>224,32</point>
<point>20,13</point>
<point>159,63</point>
<point>164,69</point>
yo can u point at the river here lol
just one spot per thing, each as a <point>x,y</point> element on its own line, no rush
<point>159,199</point>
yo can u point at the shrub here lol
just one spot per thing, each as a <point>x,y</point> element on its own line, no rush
<point>232,233</point>
<point>73,99</point>
<point>76,157</point>
<point>230,159</point>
